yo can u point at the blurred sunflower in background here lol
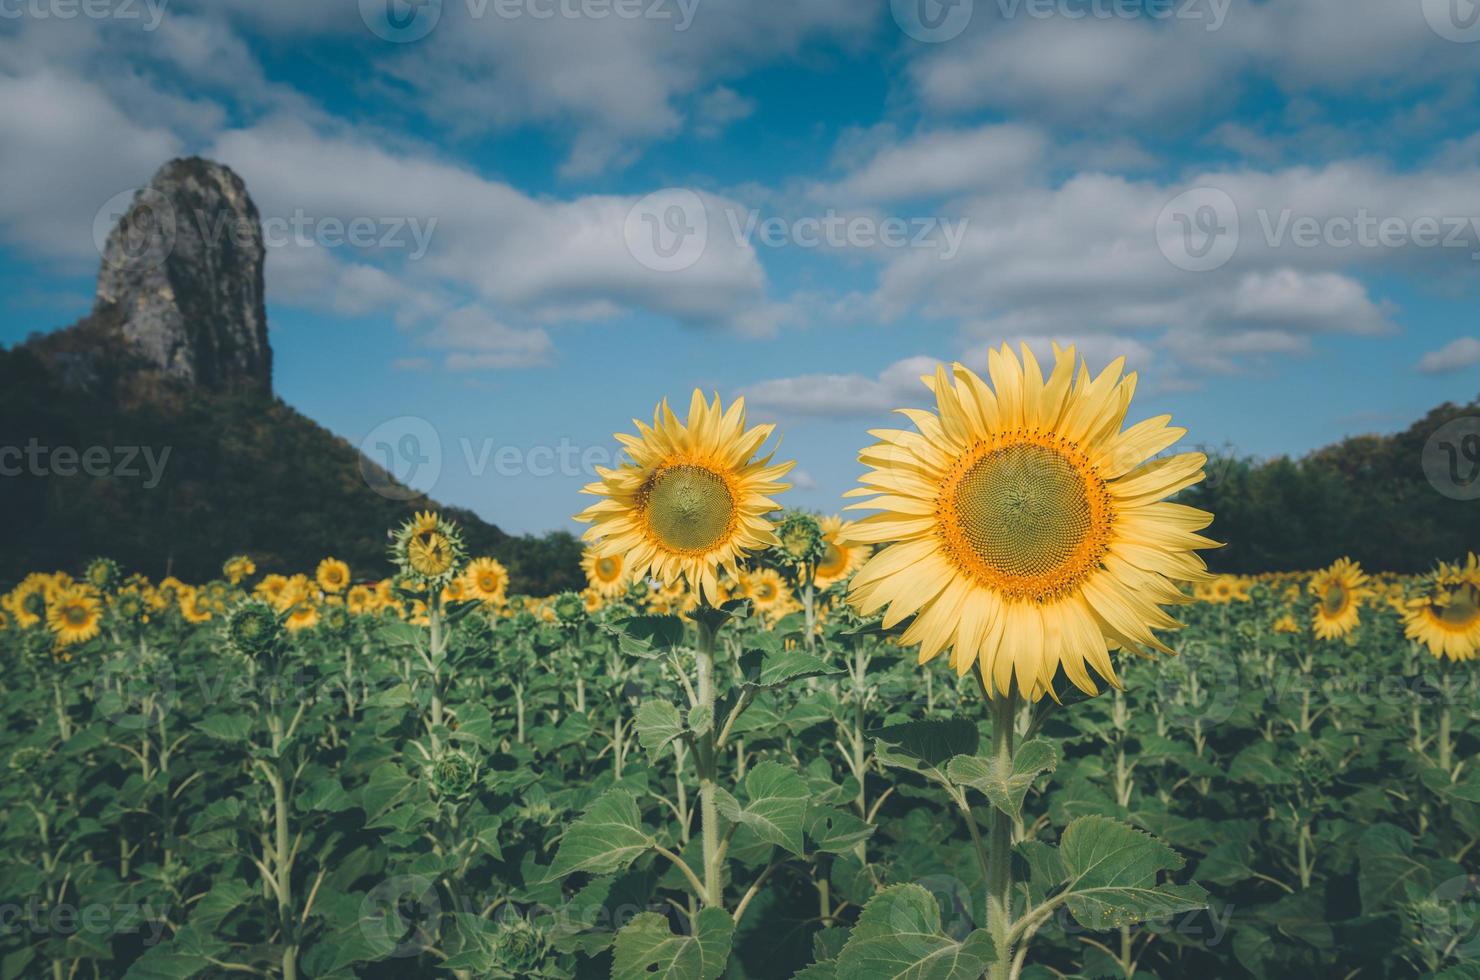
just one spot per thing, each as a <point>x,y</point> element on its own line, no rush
<point>605,574</point>
<point>1024,528</point>
<point>839,558</point>
<point>486,580</point>
<point>692,501</point>
<point>238,568</point>
<point>332,575</point>
<point>360,599</point>
<point>1339,591</point>
<point>765,588</point>
<point>75,616</point>
<point>1445,617</point>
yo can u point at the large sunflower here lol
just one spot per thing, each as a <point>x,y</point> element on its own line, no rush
<point>605,574</point>
<point>841,558</point>
<point>74,616</point>
<point>1339,590</point>
<point>1446,618</point>
<point>694,498</point>
<point>1025,529</point>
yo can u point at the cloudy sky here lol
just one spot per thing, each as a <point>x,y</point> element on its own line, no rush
<point>499,229</point>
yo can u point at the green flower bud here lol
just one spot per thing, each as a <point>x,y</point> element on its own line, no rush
<point>253,630</point>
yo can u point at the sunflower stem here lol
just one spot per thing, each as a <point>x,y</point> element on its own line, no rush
<point>999,846</point>
<point>705,762</point>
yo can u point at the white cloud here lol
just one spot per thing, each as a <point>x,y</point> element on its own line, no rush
<point>719,107</point>
<point>945,163</point>
<point>518,252</point>
<point>477,341</point>
<point>617,83</point>
<point>845,395</point>
<point>1093,70</point>
<point>1455,356</point>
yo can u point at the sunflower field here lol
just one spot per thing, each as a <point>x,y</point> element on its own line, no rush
<point>740,752</point>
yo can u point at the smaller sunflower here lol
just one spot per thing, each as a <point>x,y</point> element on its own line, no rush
<point>304,615</point>
<point>1446,617</point>
<point>1339,590</point>
<point>238,568</point>
<point>1286,624</point>
<point>195,606</point>
<point>74,616</point>
<point>360,599</point>
<point>766,589</point>
<point>486,580</point>
<point>332,576</point>
<point>605,574</point>
<point>840,558</point>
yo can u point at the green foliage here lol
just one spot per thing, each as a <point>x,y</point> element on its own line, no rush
<point>1365,497</point>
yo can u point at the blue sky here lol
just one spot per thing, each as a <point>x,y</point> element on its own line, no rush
<point>1272,209</point>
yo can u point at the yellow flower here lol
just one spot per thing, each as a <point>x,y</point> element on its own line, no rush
<point>1024,528</point>
<point>271,588</point>
<point>238,569</point>
<point>765,588</point>
<point>75,616</point>
<point>1340,590</point>
<point>305,615</point>
<point>360,599</point>
<point>1286,624</point>
<point>1447,618</point>
<point>694,498</point>
<point>842,558</point>
<point>194,606</point>
<point>594,601</point>
<point>486,580</point>
<point>605,574</point>
<point>332,575</point>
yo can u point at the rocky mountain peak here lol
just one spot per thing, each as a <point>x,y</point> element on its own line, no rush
<point>182,276</point>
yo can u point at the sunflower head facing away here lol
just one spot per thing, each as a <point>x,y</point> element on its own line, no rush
<point>693,500</point>
<point>1024,528</point>
<point>429,550</point>
<point>1445,617</point>
<point>75,616</point>
<point>800,540</point>
<point>103,575</point>
<point>1339,591</point>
